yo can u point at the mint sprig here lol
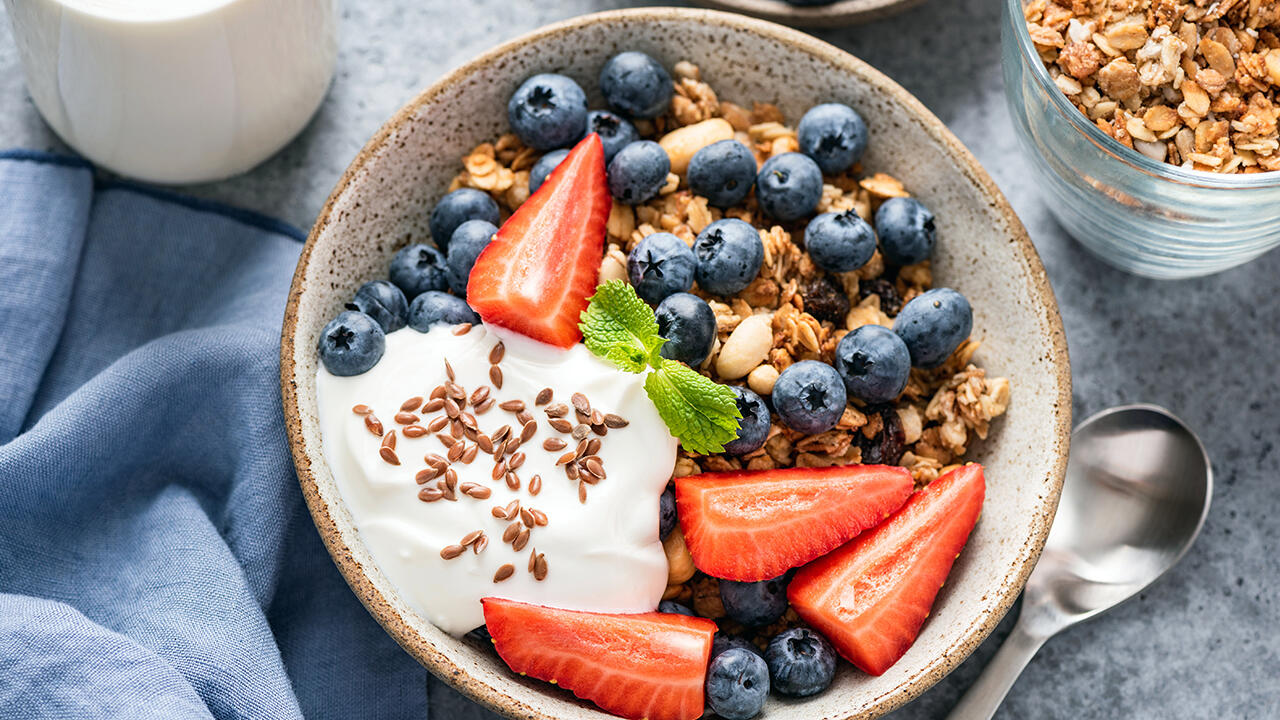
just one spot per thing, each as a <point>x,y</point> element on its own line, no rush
<point>619,327</point>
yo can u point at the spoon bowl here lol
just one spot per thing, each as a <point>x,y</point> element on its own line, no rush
<point>1136,494</point>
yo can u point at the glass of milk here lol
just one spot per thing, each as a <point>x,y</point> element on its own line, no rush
<point>176,91</point>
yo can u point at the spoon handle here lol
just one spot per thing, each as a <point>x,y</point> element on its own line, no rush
<point>985,695</point>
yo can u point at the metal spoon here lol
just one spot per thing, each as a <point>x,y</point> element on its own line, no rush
<point>1136,494</point>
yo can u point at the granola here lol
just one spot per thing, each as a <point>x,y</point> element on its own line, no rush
<point>1193,83</point>
<point>803,312</point>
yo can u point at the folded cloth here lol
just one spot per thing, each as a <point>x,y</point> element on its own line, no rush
<point>156,558</point>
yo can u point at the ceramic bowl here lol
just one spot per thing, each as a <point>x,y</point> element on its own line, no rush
<point>383,201</point>
<point>836,14</point>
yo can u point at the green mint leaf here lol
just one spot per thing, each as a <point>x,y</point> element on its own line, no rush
<point>619,327</point>
<point>701,412</point>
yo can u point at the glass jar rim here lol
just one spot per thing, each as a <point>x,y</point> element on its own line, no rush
<point>1164,171</point>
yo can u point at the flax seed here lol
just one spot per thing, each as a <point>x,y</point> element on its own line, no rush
<point>597,417</point>
<point>571,470</point>
<point>455,429</point>
<point>389,440</point>
<point>448,370</point>
<point>499,469</point>
<point>449,494</point>
<point>433,405</point>
<point>406,418</point>
<point>430,494</point>
<point>615,421</point>
<point>600,430</point>
<point>581,450</point>
<point>485,443</point>
<point>535,484</point>
<point>588,478</point>
<point>452,551</point>
<point>478,492</point>
<point>371,422</point>
<point>495,355</point>
<point>411,404</point>
<point>512,405</point>
<point>525,417</point>
<point>580,403</point>
<point>471,537</point>
<point>528,431</point>
<point>469,454</point>
<point>510,533</point>
<point>495,376</point>
<point>451,408</point>
<point>522,539</point>
<point>544,396</point>
<point>533,558</point>
<point>389,455</point>
<point>512,444</point>
<point>484,406</point>
<point>455,452</point>
<point>539,517</point>
<point>504,572</point>
<point>582,492</point>
<point>516,461</point>
<point>480,544</point>
<point>435,461</point>
<point>526,517</point>
<point>437,393</point>
<point>512,509</point>
<point>557,411</point>
<point>499,450</point>
<point>437,424</point>
<point>566,458</point>
<point>593,446</point>
<point>498,512</point>
<point>561,425</point>
<point>513,481</point>
<point>414,431</point>
<point>479,395</point>
<point>427,475</point>
<point>468,420</point>
<point>361,409</point>
<point>446,440</point>
<point>594,466</point>
<point>500,434</point>
<point>450,478</point>
<point>553,444</point>
<point>455,391</point>
<point>540,568</point>
<point>461,329</point>
<point>580,432</point>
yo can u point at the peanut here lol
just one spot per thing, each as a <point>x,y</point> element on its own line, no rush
<point>679,561</point>
<point>682,143</point>
<point>746,347</point>
<point>762,379</point>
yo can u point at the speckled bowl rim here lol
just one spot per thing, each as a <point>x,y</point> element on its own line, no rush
<point>840,13</point>
<point>436,661</point>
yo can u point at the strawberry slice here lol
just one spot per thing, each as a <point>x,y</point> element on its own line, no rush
<point>650,665</point>
<point>756,525</point>
<point>871,596</point>
<point>536,274</point>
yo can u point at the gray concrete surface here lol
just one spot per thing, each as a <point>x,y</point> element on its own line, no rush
<point>1203,643</point>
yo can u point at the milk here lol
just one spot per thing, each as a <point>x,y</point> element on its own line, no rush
<point>176,91</point>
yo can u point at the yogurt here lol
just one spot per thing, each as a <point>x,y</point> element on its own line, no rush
<point>601,555</point>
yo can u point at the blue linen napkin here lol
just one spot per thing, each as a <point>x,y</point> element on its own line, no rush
<point>156,558</point>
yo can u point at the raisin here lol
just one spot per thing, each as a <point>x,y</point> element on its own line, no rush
<point>887,446</point>
<point>890,300</point>
<point>825,300</point>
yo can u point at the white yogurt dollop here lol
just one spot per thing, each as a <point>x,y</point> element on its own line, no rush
<point>603,555</point>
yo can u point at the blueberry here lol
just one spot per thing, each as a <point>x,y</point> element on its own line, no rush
<point>906,229</point>
<point>418,268</point>
<point>722,172</point>
<point>382,301</point>
<point>834,135</point>
<point>729,254</point>
<point>666,513</point>
<point>753,428</point>
<point>468,240</point>
<point>548,111</point>
<point>351,344</point>
<point>458,207</point>
<point>874,363</point>
<point>809,396</point>
<point>541,169</point>
<point>689,325</point>
<point>636,85</point>
<point>755,603</point>
<point>933,325</point>
<point>839,242</point>
<point>481,635</point>
<point>430,308</point>
<point>722,642</point>
<point>638,172</point>
<point>789,186</point>
<point>615,133</point>
<point>801,662</point>
<point>672,607</point>
<point>737,684</point>
<point>659,265</point>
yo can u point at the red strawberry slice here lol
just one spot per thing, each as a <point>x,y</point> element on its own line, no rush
<point>871,596</point>
<point>756,525</point>
<point>651,665</point>
<point>536,274</point>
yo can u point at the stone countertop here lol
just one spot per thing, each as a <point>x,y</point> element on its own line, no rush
<point>1205,640</point>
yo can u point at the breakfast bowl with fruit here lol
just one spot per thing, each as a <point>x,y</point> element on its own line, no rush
<point>623,377</point>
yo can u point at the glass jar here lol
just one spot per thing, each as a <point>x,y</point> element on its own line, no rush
<point>1138,214</point>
